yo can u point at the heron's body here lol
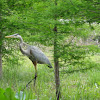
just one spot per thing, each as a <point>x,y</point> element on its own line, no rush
<point>32,52</point>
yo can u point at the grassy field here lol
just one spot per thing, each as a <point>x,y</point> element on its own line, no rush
<point>77,82</point>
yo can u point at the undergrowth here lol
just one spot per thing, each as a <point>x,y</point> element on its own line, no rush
<point>77,82</point>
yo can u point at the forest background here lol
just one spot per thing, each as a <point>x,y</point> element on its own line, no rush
<point>67,31</point>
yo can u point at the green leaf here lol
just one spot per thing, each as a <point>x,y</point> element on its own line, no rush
<point>2,97</point>
<point>9,94</point>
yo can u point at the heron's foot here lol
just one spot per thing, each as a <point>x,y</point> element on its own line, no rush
<point>31,81</point>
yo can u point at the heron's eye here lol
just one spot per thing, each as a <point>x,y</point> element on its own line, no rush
<point>16,34</point>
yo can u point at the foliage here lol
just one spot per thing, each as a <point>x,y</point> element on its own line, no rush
<point>7,94</point>
<point>77,81</point>
<point>74,55</point>
<point>35,20</point>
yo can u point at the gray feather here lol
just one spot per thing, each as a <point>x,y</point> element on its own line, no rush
<point>39,56</point>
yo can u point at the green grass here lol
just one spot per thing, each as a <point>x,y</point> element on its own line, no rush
<point>77,82</point>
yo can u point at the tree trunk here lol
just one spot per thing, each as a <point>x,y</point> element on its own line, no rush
<point>56,62</point>
<point>0,54</point>
<point>0,65</point>
<point>56,65</point>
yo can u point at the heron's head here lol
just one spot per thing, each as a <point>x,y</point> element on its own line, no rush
<point>13,36</point>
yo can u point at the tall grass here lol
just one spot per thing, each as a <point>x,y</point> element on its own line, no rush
<point>77,82</point>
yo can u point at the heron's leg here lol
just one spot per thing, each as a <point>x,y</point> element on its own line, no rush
<point>35,65</point>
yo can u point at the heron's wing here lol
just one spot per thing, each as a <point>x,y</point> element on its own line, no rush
<point>39,55</point>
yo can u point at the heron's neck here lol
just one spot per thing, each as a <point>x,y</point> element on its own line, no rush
<point>21,45</point>
<point>21,40</point>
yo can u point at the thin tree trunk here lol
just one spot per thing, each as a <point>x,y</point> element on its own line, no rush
<point>0,54</point>
<point>0,45</point>
<point>56,62</point>
<point>56,65</point>
<point>0,65</point>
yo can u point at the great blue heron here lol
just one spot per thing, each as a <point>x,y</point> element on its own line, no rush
<point>33,53</point>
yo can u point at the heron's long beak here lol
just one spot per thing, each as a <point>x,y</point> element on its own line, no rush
<point>10,36</point>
